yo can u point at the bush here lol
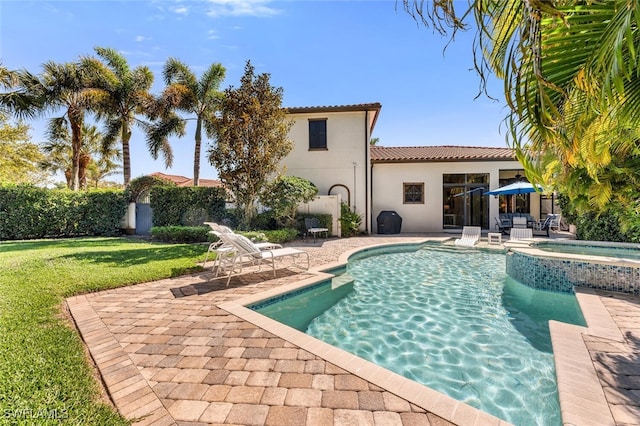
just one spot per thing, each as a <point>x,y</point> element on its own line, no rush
<point>279,236</point>
<point>190,206</point>
<point>349,221</point>
<point>181,234</point>
<point>28,212</point>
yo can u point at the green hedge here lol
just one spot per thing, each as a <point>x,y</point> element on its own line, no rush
<point>188,206</point>
<point>181,234</point>
<point>28,212</point>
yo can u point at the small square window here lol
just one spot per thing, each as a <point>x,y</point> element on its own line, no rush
<point>318,134</point>
<point>413,193</point>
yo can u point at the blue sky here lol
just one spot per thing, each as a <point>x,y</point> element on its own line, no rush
<point>320,52</point>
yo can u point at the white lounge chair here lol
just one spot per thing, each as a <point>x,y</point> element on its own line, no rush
<point>470,236</point>
<point>224,251</point>
<point>520,234</point>
<point>246,251</point>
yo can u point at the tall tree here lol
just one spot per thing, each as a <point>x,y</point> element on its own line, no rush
<point>97,161</point>
<point>569,68</point>
<point>62,86</point>
<point>250,139</point>
<point>123,98</point>
<point>15,100</point>
<point>186,93</point>
<point>20,157</point>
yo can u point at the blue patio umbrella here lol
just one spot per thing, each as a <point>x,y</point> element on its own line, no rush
<point>515,188</point>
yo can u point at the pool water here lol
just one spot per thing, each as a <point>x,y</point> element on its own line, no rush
<point>452,320</point>
<point>619,252</point>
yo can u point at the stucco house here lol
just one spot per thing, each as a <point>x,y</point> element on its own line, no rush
<point>432,188</point>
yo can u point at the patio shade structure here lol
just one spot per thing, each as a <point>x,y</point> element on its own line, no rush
<point>515,188</point>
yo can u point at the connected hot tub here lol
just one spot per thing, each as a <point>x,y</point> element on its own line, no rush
<point>561,265</point>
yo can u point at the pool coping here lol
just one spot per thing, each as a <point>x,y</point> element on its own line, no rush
<point>582,399</point>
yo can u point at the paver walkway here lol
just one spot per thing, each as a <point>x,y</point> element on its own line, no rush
<point>169,355</point>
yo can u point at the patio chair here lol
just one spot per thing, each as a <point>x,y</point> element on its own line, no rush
<point>470,236</point>
<point>543,225</point>
<point>555,222</point>
<point>313,227</point>
<point>503,224</point>
<point>518,234</point>
<point>248,252</point>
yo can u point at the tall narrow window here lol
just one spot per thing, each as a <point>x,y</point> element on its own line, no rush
<point>318,134</point>
<point>413,193</point>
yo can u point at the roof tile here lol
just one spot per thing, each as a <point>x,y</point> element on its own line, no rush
<point>401,154</point>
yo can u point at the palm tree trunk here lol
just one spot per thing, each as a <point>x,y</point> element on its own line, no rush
<point>126,154</point>
<point>76,146</point>
<point>196,155</point>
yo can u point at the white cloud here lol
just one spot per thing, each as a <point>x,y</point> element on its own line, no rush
<point>180,10</point>
<point>212,35</point>
<point>141,38</point>
<point>258,8</point>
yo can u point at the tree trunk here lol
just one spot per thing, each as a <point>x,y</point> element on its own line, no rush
<point>126,155</point>
<point>76,146</point>
<point>196,155</point>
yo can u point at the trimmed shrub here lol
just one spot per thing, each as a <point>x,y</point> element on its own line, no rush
<point>279,236</point>
<point>349,221</point>
<point>28,212</point>
<point>189,206</point>
<point>181,234</point>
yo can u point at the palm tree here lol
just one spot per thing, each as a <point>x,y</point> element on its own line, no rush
<point>16,100</point>
<point>122,97</point>
<point>61,86</point>
<point>96,160</point>
<point>186,93</point>
<point>570,73</point>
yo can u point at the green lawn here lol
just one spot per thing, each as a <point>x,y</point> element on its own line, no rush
<point>44,374</point>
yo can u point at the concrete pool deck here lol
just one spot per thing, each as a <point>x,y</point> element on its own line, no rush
<point>169,352</point>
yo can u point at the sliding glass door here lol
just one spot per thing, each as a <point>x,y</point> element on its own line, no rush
<point>464,202</point>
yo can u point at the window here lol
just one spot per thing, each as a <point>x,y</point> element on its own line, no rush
<point>318,134</point>
<point>413,193</point>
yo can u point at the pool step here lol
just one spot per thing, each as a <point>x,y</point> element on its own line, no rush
<point>445,248</point>
<point>341,280</point>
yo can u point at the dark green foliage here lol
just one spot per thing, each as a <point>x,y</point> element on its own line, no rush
<point>181,234</point>
<point>615,223</point>
<point>279,236</point>
<point>264,220</point>
<point>349,221</point>
<point>284,194</point>
<point>27,212</point>
<point>605,227</point>
<point>142,185</point>
<point>189,206</point>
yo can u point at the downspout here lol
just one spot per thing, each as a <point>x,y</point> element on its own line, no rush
<point>366,173</point>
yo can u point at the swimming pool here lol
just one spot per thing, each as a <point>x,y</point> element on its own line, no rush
<point>449,319</point>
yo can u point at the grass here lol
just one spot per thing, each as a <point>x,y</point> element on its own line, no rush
<point>44,374</point>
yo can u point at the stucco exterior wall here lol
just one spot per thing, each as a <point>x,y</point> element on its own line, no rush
<point>344,162</point>
<point>388,179</point>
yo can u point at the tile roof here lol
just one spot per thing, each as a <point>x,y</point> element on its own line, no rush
<point>336,108</point>
<point>404,154</point>
<point>185,181</point>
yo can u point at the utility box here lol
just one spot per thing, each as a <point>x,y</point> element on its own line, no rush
<point>389,222</point>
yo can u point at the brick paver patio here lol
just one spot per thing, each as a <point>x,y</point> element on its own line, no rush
<point>168,354</point>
